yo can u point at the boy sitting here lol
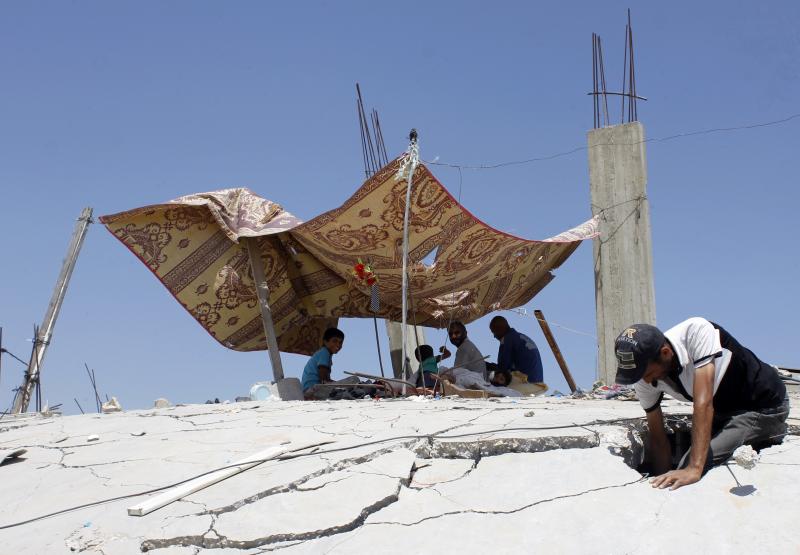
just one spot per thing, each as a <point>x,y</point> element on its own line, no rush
<point>318,368</point>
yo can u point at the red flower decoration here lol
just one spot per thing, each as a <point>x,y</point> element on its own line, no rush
<point>363,272</point>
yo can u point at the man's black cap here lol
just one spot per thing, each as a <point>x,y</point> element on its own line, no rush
<point>635,347</point>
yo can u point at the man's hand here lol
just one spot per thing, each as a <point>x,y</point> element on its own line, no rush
<point>677,478</point>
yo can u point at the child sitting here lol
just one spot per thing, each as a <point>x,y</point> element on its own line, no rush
<point>318,368</point>
<point>428,363</point>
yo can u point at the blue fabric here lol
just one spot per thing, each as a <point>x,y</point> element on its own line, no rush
<point>519,352</point>
<point>322,357</point>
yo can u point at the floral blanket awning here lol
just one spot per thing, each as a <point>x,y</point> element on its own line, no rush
<point>193,245</point>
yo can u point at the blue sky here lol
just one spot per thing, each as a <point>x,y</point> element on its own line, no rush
<point>123,104</point>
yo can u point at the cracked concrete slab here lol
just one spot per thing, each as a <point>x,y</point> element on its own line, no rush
<point>431,472</point>
<point>399,476</point>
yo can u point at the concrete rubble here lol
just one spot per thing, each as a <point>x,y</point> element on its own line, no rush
<point>397,476</point>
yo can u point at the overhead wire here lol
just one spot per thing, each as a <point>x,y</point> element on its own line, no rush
<point>582,148</point>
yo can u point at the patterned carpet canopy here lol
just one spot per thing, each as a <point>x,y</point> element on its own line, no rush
<point>195,247</point>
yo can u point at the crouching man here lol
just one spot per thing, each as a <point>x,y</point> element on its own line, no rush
<point>737,399</point>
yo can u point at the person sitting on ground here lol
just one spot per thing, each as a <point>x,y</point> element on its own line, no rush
<point>517,352</point>
<point>737,398</point>
<point>318,368</point>
<point>467,354</point>
<point>428,363</point>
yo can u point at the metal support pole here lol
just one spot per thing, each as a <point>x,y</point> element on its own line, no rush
<point>556,351</point>
<point>413,153</point>
<point>45,332</point>
<point>262,290</point>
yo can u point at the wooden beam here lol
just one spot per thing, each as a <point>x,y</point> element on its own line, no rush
<point>556,351</point>
<point>262,290</point>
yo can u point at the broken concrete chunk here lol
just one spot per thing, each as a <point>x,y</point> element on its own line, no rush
<point>111,406</point>
<point>160,403</point>
<point>746,457</point>
<point>93,437</point>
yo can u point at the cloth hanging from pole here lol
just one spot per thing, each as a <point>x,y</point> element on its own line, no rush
<point>192,245</point>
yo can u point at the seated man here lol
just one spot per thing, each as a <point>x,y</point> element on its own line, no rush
<point>737,399</point>
<point>467,354</point>
<point>318,368</point>
<point>517,352</point>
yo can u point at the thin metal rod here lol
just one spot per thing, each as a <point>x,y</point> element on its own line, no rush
<point>624,76</point>
<point>595,123</point>
<point>603,80</point>
<point>94,385</point>
<point>379,139</point>
<point>616,94</point>
<point>633,72</point>
<point>732,474</point>
<point>79,405</point>
<point>360,107</point>
<point>378,342</point>
<point>12,355</point>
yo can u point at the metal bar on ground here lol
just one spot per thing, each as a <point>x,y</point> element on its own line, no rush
<point>262,290</point>
<point>556,351</point>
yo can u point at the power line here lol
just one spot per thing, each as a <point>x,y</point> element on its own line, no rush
<point>582,148</point>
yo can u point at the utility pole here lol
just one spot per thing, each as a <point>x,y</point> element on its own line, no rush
<point>45,331</point>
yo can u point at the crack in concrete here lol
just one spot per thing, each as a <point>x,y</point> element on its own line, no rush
<point>225,542</point>
<point>426,486</point>
<point>510,511</point>
<point>294,485</point>
<point>453,449</point>
<point>315,488</point>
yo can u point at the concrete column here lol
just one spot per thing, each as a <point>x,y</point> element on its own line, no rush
<point>623,257</point>
<point>395,331</point>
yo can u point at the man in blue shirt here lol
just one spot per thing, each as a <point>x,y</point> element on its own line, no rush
<point>318,367</point>
<point>517,351</point>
